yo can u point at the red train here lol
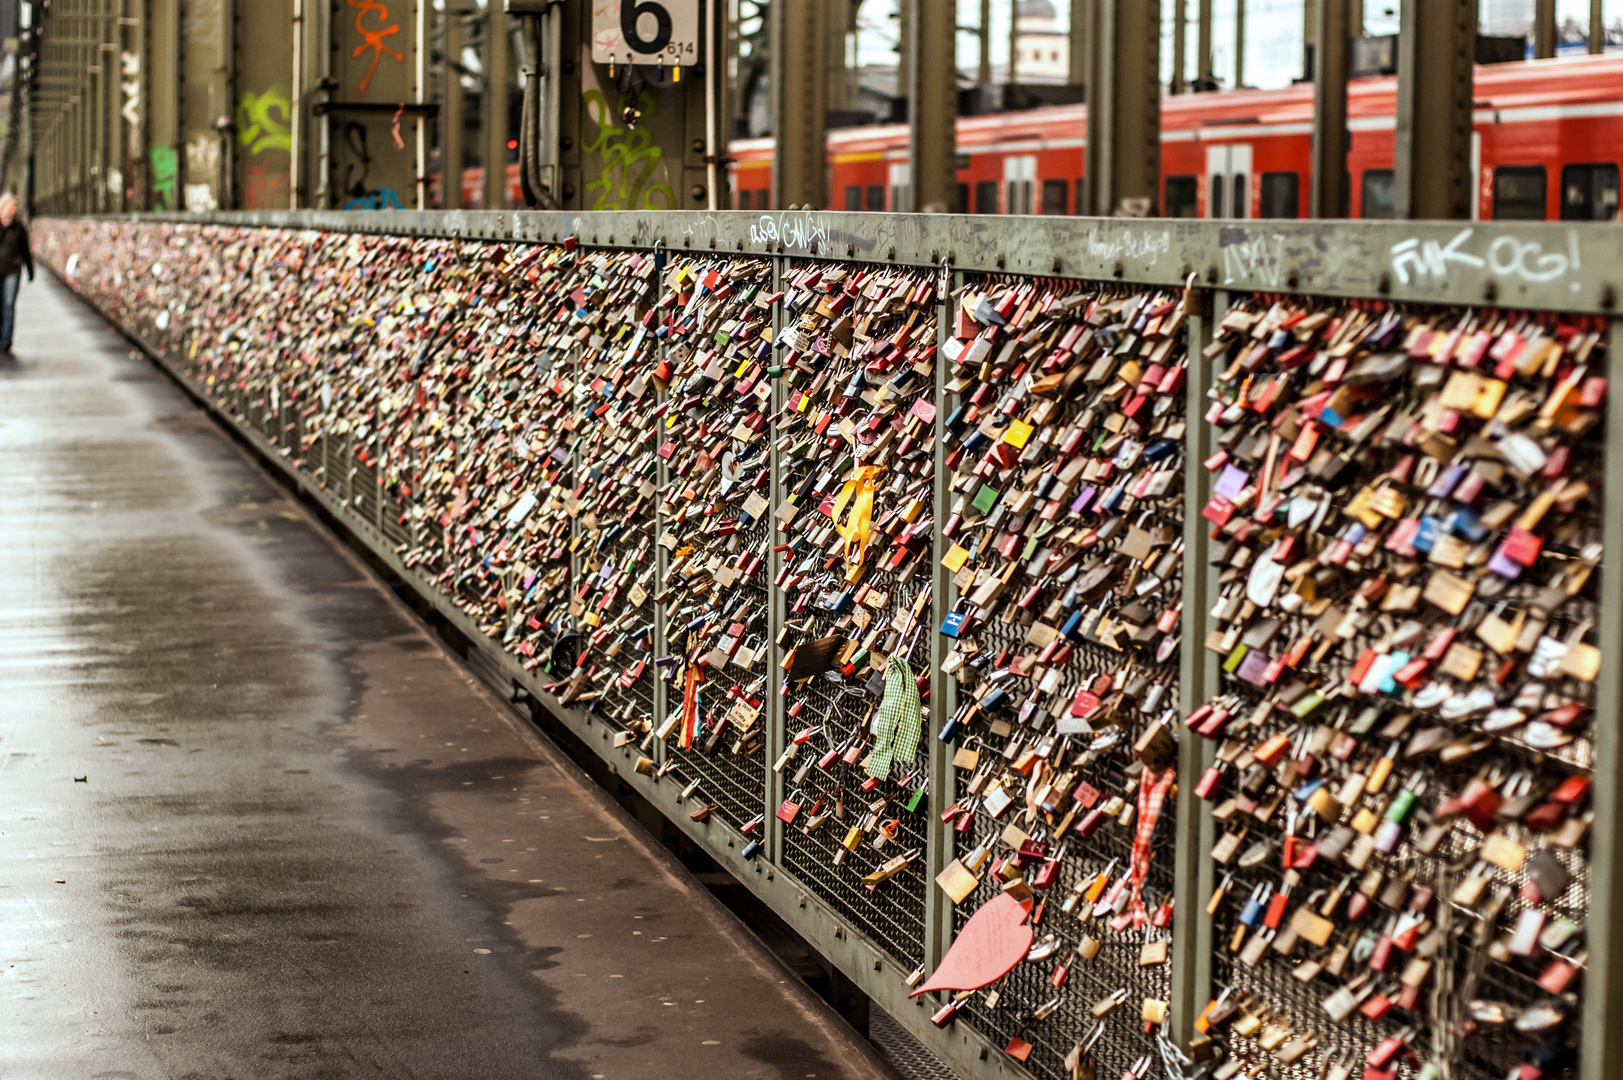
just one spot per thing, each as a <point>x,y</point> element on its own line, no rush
<point>1547,145</point>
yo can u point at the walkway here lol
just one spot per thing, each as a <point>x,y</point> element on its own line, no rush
<point>258,825</point>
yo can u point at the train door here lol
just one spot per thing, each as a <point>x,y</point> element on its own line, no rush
<point>1228,181</point>
<point>1019,178</point>
<point>900,176</point>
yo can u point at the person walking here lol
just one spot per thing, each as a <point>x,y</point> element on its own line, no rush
<point>14,257</point>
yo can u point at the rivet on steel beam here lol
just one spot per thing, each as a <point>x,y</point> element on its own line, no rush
<point>890,253</point>
<point>1002,260</point>
<point>1291,279</point>
<point>740,243</point>
<point>712,243</point>
<point>1490,291</point>
<point>1211,273</point>
<point>1383,284</point>
<point>594,238</point>
<point>1059,264</point>
<point>1116,269</point>
<point>1608,296</point>
<point>813,248</point>
<point>850,251</point>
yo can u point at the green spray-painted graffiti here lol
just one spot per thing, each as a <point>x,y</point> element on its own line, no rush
<point>257,128</point>
<point>628,157</point>
<point>165,176</point>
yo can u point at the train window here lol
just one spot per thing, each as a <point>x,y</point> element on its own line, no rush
<point>1281,194</point>
<point>743,200</point>
<point>853,197</point>
<point>986,197</point>
<point>1377,196</point>
<point>1054,196</point>
<point>763,198</point>
<point>1242,196</point>
<point>1214,195</point>
<point>1182,196</point>
<point>960,204</point>
<point>876,196</point>
<point>1081,203</point>
<point>1518,193</point>
<point>1589,192</point>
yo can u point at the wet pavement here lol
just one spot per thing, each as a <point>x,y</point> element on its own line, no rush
<point>255,824</point>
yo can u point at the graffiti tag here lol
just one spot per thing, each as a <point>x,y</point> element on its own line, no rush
<point>165,174</point>
<point>628,157</point>
<point>798,231</point>
<point>258,126</point>
<point>1507,256</point>
<point>1129,244</point>
<point>1254,258</point>
<point>373,39</point>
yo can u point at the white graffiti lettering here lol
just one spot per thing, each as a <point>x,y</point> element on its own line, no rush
<point>1257,258</point>
<point>1507,256</point>
<point>1128,244</point>
<point>796,232</point>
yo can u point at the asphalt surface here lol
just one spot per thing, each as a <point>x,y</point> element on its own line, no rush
<point>256,824</point>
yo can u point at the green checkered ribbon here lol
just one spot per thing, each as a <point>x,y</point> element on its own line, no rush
<point>900,720</point>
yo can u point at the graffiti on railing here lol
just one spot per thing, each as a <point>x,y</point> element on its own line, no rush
<point>1505,256</point>
<point>1252,259</point>
<point>1110,243</point>
<point>796,231</point>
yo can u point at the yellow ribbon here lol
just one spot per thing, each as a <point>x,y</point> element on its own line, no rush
<point>858,493</point>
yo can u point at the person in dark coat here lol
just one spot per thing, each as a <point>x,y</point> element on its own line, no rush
<point>14,258</point>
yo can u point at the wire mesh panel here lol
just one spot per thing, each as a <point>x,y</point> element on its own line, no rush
<point>858,368</point>
<point>615,487</point>
<point>1067,453</point>
<point>714,439</point>
<point>1407,528</point>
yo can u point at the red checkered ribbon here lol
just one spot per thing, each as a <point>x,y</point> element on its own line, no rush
<point>1152,797</point>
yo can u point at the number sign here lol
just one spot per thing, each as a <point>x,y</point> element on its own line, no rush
<point>645,31</point>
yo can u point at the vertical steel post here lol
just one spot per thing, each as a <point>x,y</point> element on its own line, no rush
<point>1192,941</point>
<point>938,835</point>
<point>498,77</point>
<point>1543,29</point>
<point>1239,44</point>
<point>1436,47</point>
<point>162,94</point>
<point>451,112</point>
<point>1203,43</point>
<point>834,31</point>
<point>983,39</point>
<point>1597,27</point>
<point>798,118</point>
<point>1180,31</point>
<point>773,713</point>
<point>1328,195</point>
<point>1600,1054</point>
<point>295,127</point>
<point>419,76</point>
<point>932,111</point>
<point>1124,107</point>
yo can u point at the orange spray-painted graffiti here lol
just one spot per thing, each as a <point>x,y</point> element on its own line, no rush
<point>373,39</point>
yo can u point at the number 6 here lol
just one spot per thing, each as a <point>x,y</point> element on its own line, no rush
<point>633,10</point>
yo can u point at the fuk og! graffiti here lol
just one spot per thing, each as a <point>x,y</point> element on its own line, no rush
<point>1506,256</point>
